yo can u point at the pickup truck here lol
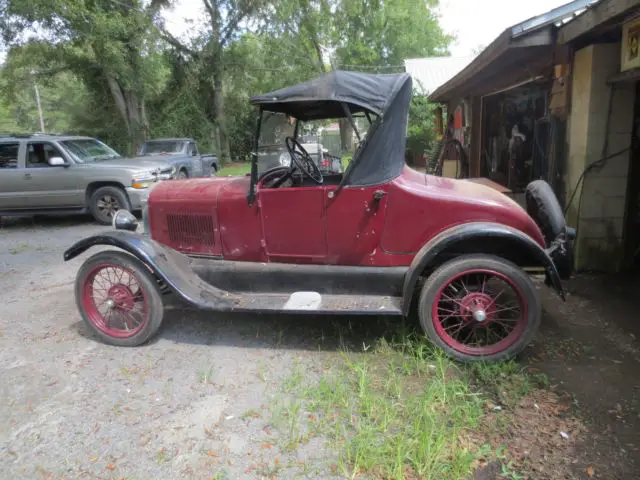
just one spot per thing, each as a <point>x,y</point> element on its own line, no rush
<point>182,153</point>
<point>53,174</point>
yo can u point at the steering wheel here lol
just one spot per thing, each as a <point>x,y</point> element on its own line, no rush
<point>302,160</point>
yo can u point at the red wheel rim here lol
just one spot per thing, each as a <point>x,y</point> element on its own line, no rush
<point>114,301</point>
<point>479,312</point>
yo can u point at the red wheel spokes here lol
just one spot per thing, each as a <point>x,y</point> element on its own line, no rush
<point>114,301</point>
<point>468,317</point>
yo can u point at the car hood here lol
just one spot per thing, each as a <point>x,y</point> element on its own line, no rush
<point>197,190</point>
<point>138,163</point>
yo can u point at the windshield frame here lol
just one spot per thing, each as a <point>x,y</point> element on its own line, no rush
<point>65,144</point>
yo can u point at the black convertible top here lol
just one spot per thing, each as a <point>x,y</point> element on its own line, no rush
<point>339,94</point>
<point>322,97</point>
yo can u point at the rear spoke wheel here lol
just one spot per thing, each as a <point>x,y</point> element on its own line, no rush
<point>479,307</point>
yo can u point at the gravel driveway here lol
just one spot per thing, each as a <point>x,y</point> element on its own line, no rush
<point>194,403</point>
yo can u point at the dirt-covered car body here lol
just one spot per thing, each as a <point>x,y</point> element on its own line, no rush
<point>290,238</point>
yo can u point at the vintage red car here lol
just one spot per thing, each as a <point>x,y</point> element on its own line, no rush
<point>373,240</point>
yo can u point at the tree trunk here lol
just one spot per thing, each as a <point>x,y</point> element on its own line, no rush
<point>224,149</point>
<point>346,135</point>
<point>132,110</point>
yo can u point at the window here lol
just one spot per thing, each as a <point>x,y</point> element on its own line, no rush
<point>89,150</point>
<point>9,155</point>
<point>192,149</point>
<point>38,154</point>
<point>158,147</point>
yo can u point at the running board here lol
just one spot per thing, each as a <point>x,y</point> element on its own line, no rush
<point>175,270</point>
<point>314,302</point>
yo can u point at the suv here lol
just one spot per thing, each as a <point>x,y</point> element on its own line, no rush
<point>42,174</point>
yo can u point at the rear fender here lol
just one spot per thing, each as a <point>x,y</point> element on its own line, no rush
<point>427,256</point>
<point>172,267</point>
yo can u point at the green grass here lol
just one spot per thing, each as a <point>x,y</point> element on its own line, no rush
<point>398,410</point>
<point>235,169</point>
<point>394,412</point>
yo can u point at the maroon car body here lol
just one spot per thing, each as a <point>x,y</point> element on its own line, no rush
<point>370,240</point>
<point>316,224</point>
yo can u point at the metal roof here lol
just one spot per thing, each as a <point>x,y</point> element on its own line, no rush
<point>431,72</point>
<point>558,16</point>
<point>534,32</point>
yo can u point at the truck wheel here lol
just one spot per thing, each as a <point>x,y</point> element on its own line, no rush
<point>106,201</point>
<point>182,174</point>
<point>119,299</point>
<point>479,307</point>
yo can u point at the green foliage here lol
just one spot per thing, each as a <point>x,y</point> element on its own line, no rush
<point>377,33</point>
<point>421,124</point>
<point>109,69</point>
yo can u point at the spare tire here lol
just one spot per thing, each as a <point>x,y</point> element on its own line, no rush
<point>543,207</point>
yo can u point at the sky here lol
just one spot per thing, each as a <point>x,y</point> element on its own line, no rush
<point>476,23</point>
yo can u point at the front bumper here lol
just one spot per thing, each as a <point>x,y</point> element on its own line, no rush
<point>138,196</point>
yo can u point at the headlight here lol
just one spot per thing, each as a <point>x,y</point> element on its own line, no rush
<point>124,220</point>
<point>143,180</point>
<point>285,159</point>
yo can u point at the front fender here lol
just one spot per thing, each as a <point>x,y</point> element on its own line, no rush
<point>481,230</point>
<point>172,267</point>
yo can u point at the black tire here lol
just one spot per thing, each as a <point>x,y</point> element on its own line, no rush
<point>145,280</point>
<point>443,275</point>
<point>182,174</point>
<point>105,201</point>
<point>543,207</point>
<point>214,168</point>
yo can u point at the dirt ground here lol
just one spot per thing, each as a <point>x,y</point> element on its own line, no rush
<point>589,348</point>
<point>194,403</point>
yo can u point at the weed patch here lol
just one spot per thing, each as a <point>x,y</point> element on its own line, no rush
<point>393,412</point>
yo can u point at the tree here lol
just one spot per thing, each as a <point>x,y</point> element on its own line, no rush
<point>369,35</point>
<point>109,44</point>
<point>225,20</point>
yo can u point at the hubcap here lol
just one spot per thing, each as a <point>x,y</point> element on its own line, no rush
<point>480,315</point>
<point>108,205</point>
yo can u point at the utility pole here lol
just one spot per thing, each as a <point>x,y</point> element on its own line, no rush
<point>35,86</point>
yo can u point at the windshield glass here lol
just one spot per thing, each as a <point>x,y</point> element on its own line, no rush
<point>272,150</point>
<point>156,148</point>
<point>89,150</point>
<point>320,138</point>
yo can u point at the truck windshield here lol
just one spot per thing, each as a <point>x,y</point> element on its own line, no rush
<point>89,150</point>
<point>156,148</point>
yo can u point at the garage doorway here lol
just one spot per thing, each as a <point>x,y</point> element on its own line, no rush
<point>632,237</point>
<point>517,133</point>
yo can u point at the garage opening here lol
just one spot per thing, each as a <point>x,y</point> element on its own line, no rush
<point>632,237</point>
<point>516,135</point>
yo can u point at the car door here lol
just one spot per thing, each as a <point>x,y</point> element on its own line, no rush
<point>293,223</point>
<point>50,186</point>
<point>12,195</point>
<point>355,221</point>
<point>196,160</point>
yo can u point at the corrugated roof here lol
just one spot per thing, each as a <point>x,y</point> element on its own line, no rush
<point>431,72</point>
